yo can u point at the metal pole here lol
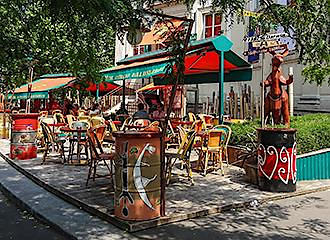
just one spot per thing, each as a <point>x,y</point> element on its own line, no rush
<point>221,90</point>
<point>123,98</point>
<point>28,102</point>
<point>97,91</point>
<point>262,93</point>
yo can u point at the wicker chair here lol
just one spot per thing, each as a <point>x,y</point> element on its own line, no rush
<point>182,155</point>
<point>213,151</point>
<point>98,156</point>
<point>52,142</point>
<point>228,131</point>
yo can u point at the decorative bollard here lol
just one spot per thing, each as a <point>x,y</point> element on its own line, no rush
<point>277,151</point>
<point>137,175</point>
<point>23,136</point>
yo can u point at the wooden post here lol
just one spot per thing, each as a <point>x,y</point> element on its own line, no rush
<point>253,105</point>
<point>235,106</point>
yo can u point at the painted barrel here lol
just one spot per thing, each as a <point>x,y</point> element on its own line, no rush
<point>4,125</point>
<point>277,150</point>
<point>23,136</point>
<point>137,175</point>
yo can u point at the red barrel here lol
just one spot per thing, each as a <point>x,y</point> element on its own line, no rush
<point>137,175</point>
<point>277,151</point>
<point>23,136</point>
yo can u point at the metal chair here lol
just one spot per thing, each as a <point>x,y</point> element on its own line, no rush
<point>213,151</point>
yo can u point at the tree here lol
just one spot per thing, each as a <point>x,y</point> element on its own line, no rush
<point>29,32</point>
<point>306,21</point>
<point>77,36</point>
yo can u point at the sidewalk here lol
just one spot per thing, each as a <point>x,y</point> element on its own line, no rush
<point>66,218</point>
<point>211,194</point>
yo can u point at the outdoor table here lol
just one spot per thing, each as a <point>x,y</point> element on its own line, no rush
<point>79,132</point>
<point>184,123</point>
<point>130,127</point>
<point>56,125</point>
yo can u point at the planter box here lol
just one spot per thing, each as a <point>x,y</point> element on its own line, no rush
<point>250,163</point>
<point>314,165</point>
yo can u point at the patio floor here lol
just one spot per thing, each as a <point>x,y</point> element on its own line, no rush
<point>211,194</point>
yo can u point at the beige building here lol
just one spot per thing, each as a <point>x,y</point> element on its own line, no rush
<point>307,97</point>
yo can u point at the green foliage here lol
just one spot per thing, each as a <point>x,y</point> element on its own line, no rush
<point>306,21</point>
<point>313,132</point>
<point>77,36</point>
<point>79,44</point>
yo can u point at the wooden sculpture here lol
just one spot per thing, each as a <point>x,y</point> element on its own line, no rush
<point>277,100</point>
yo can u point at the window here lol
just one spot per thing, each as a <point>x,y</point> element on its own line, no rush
<point>212,25</point>
<point>140,49</point>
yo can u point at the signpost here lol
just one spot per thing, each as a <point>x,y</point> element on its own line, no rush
<point>264,43</point>
<point>223,44</point>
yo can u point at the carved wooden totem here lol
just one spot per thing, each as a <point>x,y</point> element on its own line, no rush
<point>277,100</point>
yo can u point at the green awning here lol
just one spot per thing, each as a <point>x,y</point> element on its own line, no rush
<point>137,70</point>
<point>201,64</point>
<point>43,85</point>
<point>34,95</point>
<point>232,76</point>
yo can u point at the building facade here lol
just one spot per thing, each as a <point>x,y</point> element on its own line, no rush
<point>208,23</point>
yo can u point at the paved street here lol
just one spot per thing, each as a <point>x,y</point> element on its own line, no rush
<point>19,225</point>
<point>306,217</point>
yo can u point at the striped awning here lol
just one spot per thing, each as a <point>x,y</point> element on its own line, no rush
<point>43,85</point>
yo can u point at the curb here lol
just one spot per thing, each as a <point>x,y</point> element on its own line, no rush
<point>22,205</point>
<point>73,222</point>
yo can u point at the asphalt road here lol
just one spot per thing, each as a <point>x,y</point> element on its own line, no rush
<point>16,224</point>
<point>305,217</point>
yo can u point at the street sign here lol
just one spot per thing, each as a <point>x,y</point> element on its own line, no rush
<point>265,37</point>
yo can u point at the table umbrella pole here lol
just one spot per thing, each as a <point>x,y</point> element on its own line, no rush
<point>97,91</point>
<point>221,90</point>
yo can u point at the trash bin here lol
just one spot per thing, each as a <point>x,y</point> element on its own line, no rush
<point>277,151</point>
<point>137,175</point>
<point>23,136</point>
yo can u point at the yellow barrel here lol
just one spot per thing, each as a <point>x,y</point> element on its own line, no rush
<point>4,129</point>
<point>137,175</point>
